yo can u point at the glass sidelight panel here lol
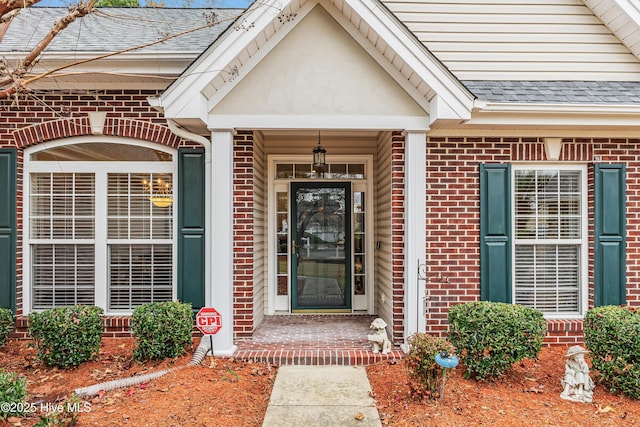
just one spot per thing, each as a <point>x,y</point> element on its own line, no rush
<point>283,242</point>
<point>320,247</point>
<point>359,243</point>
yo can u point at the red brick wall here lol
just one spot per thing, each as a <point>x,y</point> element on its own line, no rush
<point>243,234</point>
<point>453,222</point>
<point>397,239</point>
<point>54,115</point>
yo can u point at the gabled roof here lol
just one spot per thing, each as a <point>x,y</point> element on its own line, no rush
<point>418,43</point>
<point>377,31</point>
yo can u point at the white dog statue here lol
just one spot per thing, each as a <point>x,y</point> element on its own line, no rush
<point>379,337</point>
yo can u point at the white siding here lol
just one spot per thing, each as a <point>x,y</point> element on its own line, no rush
<point>518,39</point>
<point>383,261</point>
<point>259,231</point>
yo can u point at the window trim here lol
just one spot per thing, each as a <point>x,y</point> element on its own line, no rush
<point>101,169</point>
<point>583,293</point>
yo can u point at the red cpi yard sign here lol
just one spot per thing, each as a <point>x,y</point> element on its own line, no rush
<point>208,321</point>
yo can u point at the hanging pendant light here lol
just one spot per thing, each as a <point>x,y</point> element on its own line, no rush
<point>159,192</point>
<point>319,159</point>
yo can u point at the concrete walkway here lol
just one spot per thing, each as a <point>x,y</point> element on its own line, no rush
<point>321,396</point>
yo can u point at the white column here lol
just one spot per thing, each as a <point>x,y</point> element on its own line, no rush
<point>415,229</point>
<point>220,202</point>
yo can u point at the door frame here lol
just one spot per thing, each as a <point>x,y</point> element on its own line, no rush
<point>278,304</point>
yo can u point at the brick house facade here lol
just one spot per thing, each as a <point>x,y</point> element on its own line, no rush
<point>463,185</point>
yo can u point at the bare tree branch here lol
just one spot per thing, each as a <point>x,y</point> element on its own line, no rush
<point>9,5</point>
<point>16,80</point>
<point>25,82</point>
<point>82,9</point>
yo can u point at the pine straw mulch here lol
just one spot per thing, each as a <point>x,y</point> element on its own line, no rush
<point>226,392</point>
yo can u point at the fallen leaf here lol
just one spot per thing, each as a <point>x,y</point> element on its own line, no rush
<point>130,392</point>
<point>359,416</point>
<point>601,410</point>
<point>144,385</point>
<point>531,379</point>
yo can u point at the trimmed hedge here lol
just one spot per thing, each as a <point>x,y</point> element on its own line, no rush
<point>6,324</point>
<point>490,337</point>
<point>612,334</point>
<point>162,330</point>
<point>67,336</point>
<point>425,375</point>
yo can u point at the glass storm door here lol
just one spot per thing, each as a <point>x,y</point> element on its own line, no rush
<point>320,246</point>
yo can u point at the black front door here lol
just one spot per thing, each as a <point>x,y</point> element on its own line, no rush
<point>321,252</point>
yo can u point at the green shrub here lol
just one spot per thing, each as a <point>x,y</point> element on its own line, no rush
<point>6,324</point>
<point>67,336</point>
<point>65,414</point>
<point>490,337</point>
<point>162,329</point>
<point>13,391</point>
<point>612,334</point>
<point>424,374</point>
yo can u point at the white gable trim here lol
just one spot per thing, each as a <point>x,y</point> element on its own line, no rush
<point>259,30</point>
<point>445,87</point>
<point>622,17</point>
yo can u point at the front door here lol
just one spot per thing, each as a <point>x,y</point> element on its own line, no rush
<point>320,246</point>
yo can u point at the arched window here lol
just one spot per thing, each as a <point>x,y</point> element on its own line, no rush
<point>99,225</point>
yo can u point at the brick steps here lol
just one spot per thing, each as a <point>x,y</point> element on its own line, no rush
<point>350,357</point>
<point>313,340</point>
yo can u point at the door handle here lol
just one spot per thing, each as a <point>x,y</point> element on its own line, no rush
<point>293,247</point>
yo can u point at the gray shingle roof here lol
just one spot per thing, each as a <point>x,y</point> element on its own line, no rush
<point>556,92</point>
<point>113,29</point>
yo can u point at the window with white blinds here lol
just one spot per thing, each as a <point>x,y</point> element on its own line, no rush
<point>139,240</point>
<point>550,238</point>
<point>99,232</point>
<point>62,226</point>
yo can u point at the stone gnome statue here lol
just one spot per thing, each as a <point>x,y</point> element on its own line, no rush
<point>578,386</point>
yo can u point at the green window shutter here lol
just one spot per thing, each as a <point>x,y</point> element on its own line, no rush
<point>191,226</point>
<point>610,235</point>
<point>8,228</point>
<point>495,232</point>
